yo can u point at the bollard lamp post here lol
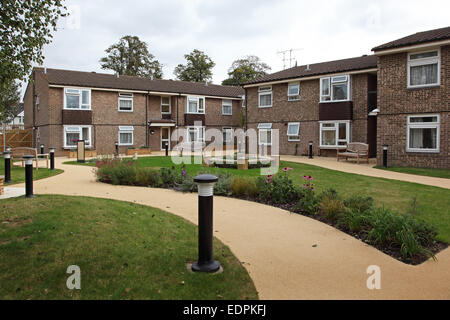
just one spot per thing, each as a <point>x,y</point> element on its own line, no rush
<point>310,150</point>
<point>28,176</point>
<point>117,149</point>
<point>166,147</point>
<point>385,155</point>
<point>42,149</point>
<point>7,155</point>
<point>52,158</point>
<point>206,262</point>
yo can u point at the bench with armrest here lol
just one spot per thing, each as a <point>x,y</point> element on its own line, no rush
<point>356,150</point>
<point>18,153</point>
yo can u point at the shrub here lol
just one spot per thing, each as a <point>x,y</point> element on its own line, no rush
<point>148,177</point>
<point>169,177</point>
<point>352,220</point>
<point>241,187</point>
<point>308,201</point>
<point>223,186</point>
<point>187,184</point>
<point>332,209</point>
<point>359,203</point>
<point>329,194</point>
<point>279,189</point>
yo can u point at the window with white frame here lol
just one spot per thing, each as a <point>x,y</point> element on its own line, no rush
<point>334,134</point>
<point>335,88</point>
<point>74,133</point>
<point>126,102</point>
<point>126,136</point>
<point>293,131</point>
<point>77,99</point>
<point>265,97</point>
<point>294,91</point>
<point>423,69</point>
<point>265,134</point>
<point>227,133</point>
<point>227,107</point>
<point>195,134</point>
<point>166,107</point>
<point>423,133</point>
<point>195,105</point>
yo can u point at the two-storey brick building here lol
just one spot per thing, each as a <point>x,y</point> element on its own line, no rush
<point>63,106</point>
<point>414,99</point>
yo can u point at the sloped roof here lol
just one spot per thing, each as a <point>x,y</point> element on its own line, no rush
<point>351,64</point>
<point>110,81</point>
<point>417,38</point>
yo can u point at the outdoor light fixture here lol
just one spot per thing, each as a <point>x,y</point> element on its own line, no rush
<point>42,149</point>
<point>310,150</point>
<point>7,155</point>
<point>385,154</point>
<point>52,158</point>
<point>81,152</point>
<point>28,176</point>
<point>152,132</point>
<point>117,149</point>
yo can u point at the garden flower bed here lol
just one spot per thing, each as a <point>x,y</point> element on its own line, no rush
<point>403,237</point>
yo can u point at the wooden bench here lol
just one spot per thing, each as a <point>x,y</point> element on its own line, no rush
<point>18,153</point>
<point>356,150</point>
<point>2,180</point>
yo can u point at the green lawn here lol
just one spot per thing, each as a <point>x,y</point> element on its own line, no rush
<point>437,173</point>
<point>124,251</point>
<point>432,203</point>
<point>18,173</point>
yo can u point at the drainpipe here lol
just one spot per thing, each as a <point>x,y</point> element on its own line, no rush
<point>147,142</point>
<point>246,122</point>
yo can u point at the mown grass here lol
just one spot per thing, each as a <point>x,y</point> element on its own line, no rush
<point>432,204</point>
<point>124,251</point>
<point>18,173</point>
<point>437,173</point>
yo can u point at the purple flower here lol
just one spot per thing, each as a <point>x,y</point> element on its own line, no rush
<point>287,169</point>
<point>183,173</point>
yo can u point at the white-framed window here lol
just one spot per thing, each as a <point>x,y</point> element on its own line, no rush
<point>227,133</point>
<point>195,105</point>
<point>293,131</point>
<point>424,69</point>
<point>294,91</point>
<point>74,133</point>
<point>265,134</point>
<point>227,107</point>
<point>334,89</point>
<point>126,136</point>
<point>195,134</point>
<point>334,134</point>
<point>77,99</point>
<point>166,107</point>
<point>125,102</point>
<point>265,97</point>
<point>423,133</point>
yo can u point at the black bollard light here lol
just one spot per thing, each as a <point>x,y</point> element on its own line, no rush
<point>28,176</point>
<point>42,149</point>
<point>385,155</point>
<point>166,147</point>
<point>310,150</point>
<point>52,158</point>
<point>206,262</point>
<point>7,155</point>
<point>117,149</point>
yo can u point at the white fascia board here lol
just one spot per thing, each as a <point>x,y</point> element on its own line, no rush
<point>412,48</point>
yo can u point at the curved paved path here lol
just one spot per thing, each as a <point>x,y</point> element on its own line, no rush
<point>277,247</point>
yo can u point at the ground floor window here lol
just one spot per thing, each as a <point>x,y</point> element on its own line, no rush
<point>265,134</point>
<point>74,133</point>
<point>293,131</point>
<point>126,136</point>
<point>423,133</point>
<point>195,134</point>
<point>227,133</point>
<point>334,134</point>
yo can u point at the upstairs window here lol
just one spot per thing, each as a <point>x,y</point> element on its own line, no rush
<point>196,105</point>
<point>227,107</point>
<point>294,91</point>
<point>265,97</point>
<point>165,105</point>
<point>77,99</point>
<point>423,69</point>
<point>423,133</point>
<point>126,102</point>
<point>293,131</point>
<point>126,136</point>
<point>334,89</point>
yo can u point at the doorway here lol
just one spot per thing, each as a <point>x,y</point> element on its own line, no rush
<point>165,138</point>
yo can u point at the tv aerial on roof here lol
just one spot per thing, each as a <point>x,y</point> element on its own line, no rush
<point>289,59</point>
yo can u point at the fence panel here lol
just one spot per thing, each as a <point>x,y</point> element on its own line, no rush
<point>17,138</point>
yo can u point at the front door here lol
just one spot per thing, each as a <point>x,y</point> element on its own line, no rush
<point>165,138</point>
<point>372,136</point>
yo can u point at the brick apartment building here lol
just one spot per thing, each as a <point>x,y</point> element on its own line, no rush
<point>399,97</point>
<point>62,106</point>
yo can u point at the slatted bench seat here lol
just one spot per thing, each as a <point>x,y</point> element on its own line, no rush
<point>356,150</point>
<point>18,153</point>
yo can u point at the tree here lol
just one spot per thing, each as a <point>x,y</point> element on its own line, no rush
<point>25,27</point>
<point>130,57</point>
<point>245,70</point>
<point>197,69</point>
<point>9,101</point>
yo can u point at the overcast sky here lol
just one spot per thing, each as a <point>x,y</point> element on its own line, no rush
<point>230,29</point>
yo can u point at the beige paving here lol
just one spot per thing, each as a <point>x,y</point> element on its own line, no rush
<point>277,247</point>
<point>368,170</point>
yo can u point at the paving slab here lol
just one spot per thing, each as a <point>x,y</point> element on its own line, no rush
<point>12,193</point>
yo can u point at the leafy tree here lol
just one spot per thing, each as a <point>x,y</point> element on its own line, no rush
<point>25,27</point>
<point>9,101</point>
<point>245,70</point>
<point>197,69</point>
<point>130,57</point>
